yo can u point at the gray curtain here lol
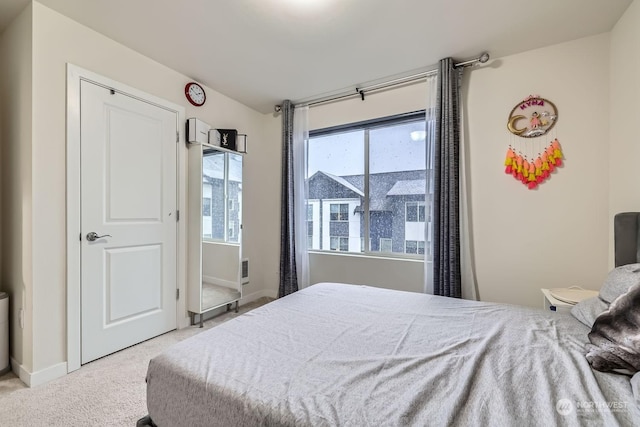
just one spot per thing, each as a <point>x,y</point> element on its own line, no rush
<point>446,182</point>
<point>288,273</point>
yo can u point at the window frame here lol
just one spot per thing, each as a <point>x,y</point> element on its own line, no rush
<point>340,213</point>
<point>417,242</point>
<point>366,126</point>
<point>418,205</point>
<point>340,242</point>
<point>206,207</point>
<point>387,240</point>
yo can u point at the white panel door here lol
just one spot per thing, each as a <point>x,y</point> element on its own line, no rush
<point>128,195</point>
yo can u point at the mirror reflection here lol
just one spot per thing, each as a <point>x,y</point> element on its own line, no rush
<point>221,225</point>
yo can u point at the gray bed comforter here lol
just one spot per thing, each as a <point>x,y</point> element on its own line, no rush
<point>347,355</point>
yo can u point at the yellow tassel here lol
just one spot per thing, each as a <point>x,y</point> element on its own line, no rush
<point>532,177</point>
<point>550,150</point>
<point>507,161</point>
<point>525,172</point>
<point>557,153</point>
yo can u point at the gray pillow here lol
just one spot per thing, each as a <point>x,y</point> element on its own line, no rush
<point>619,281</point>
<point>587,310</point>
<point>615,336</point>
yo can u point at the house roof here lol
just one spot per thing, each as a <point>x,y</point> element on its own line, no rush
<point>341,181</point>
<point>414,187</point>
<point>406,183</point>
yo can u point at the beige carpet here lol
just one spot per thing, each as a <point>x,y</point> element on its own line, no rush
<point>107,392</point>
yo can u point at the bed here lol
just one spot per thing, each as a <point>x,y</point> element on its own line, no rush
<point>349,355</point>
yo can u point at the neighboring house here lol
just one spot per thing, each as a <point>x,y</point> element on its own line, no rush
<point>397,212</point>
<point>215,213</point>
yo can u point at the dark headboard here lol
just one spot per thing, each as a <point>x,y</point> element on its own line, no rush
<point>627,238</point>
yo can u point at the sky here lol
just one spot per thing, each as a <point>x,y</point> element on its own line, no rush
<point>391,149</point>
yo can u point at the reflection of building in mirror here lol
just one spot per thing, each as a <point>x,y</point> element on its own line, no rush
<point>214,230</point>
<point>221,196</point>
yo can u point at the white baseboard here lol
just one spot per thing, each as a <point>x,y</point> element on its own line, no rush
<point>21,372</point>
<point>32,379</point>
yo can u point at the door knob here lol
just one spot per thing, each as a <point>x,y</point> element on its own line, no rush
<point>93,236</point>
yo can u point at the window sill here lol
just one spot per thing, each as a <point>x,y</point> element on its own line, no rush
<point>370,255</point>
<point>218,242</point>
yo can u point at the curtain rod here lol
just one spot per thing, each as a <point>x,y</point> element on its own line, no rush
<point>484,57</point>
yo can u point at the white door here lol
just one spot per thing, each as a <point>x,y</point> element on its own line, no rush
<point>128,195</point>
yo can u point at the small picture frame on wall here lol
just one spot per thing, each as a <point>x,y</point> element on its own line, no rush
<point>228,138</point>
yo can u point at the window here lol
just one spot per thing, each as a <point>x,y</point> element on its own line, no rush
<point>414,211</point>
<point>309,226</point>
<point>386,245</point>
<point>339,212</point>
<point>414,247</point>
<point>339,244</point>
<point>369,179</point>
<point>232,230</point>
<point>206,206</point>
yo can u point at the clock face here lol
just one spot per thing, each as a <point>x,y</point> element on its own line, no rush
<point>195,94</point>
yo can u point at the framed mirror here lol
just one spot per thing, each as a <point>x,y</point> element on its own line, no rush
<point>215,229</point>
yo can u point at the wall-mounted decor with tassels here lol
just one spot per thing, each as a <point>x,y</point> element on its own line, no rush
<point>531,161</point>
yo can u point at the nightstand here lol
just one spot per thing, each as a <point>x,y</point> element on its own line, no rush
<point>550,303</point>
<point>573,294</point>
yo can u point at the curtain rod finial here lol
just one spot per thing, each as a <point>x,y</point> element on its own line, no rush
<point>484,57</point>
<point>277,108</point>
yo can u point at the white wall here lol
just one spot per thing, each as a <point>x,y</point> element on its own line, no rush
<point>58,40</point>
<point>557,235</point>
<point>16,181</point>
<point>403,275</point>
<point>624,191</point>
<point>404,99</point>
<point>523,240</point>
<point>548,227</point>
<point>263,203</point>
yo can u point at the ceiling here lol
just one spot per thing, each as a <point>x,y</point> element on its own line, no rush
<point>260,52</point>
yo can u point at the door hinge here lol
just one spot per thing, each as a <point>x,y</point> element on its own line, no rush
<point>81,237</point>
<point>177,136</point>
<point>177,293</point>
<point>177,216</point>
